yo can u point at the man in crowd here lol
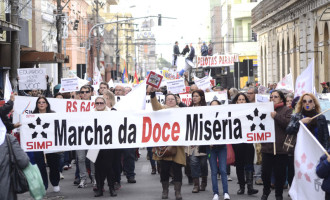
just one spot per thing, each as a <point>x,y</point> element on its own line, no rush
<point>192,53</point>
<point>85,94</point>
<point>325,87</point>
<point>176,53</point>
<point>193,87</point>
<point>204,49</point>
<point>128,154</point>
<point>251,95</point>
<point>103,86</point>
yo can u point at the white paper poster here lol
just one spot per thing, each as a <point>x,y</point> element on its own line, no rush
<point>32,79</point>
<point>176,86</point>
<point>69,85</point>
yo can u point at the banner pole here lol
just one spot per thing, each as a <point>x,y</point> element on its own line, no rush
<point>320,113</point>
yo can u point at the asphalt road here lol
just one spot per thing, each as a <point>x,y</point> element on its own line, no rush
<point>148,187</point>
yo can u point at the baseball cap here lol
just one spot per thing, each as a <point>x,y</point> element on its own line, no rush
<point>323,83</point>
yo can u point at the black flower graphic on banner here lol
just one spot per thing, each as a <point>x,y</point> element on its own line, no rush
<point>256,115</point>
<point>38,123</point>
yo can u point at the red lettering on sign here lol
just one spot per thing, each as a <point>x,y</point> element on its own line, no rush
<point>258,136</point>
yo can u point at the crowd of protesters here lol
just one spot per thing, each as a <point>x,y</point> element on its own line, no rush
<point>270,170</point>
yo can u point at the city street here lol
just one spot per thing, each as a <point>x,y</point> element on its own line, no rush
<point>147,187</point>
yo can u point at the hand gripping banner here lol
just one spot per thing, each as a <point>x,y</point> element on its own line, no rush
<point>207,125</point>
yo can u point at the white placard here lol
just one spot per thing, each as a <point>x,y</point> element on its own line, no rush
<point>262,98</point>
<point>203,83</point>
<point>32,79</point>
<point>69,85</point>
<point>176,86</point>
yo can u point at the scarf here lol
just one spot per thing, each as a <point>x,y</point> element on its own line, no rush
<point>278,105</point>
<point>311,113</point>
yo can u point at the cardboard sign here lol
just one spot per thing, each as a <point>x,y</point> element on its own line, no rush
<point>176,86</point>
<point>32,79</point>
<point>69,85</point>
<point>154,79</point>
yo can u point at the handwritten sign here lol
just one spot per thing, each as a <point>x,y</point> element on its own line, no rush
<point>32,79</point>
<point>69,84</point>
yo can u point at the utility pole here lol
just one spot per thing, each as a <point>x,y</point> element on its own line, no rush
<point>98,36</point>
<point>15,46</point>
<point>59,38</point>
<point>117,51</point>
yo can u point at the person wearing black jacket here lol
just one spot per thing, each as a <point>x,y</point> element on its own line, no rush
<point>192,53</point>
<point>176,52</point>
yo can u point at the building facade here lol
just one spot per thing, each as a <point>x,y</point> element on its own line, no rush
<point>290,34</point>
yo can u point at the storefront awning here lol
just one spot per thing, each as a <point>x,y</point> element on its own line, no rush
<point>43,57</point>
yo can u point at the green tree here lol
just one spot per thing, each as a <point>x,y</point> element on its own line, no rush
<point>161,63</point>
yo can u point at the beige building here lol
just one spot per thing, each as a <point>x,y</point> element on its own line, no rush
<point>290,34</point>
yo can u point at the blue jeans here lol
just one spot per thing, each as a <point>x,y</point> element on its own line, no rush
<point>152,162</point>
<point>218,153</point>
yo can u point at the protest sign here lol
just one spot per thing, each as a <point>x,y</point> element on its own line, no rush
<point>206,125</point>
<point>262,97</point>
<point>69,84</point>
<point>154,79</point>
<point>176,86</point>
<point>203,83</point>
<point>32,78</point>
<point>25,105</point>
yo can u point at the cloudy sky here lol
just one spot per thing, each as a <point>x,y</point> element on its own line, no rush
<point>191,23</point>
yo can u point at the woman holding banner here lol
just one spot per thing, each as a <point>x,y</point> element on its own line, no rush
<point>53,159</point>
<point>306,108</point>
<point>105,159</point>
<point>197,154</point>
<point>244,157</point>
<point>218,153</point>
<point>174,161</point>
<point>274,157</point>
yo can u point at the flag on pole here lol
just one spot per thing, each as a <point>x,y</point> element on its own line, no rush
<point>286,83</point>
<point>306,184</point>
<point>124,78</point>
<point>97,78</point>
<point>136,79</point>
<point>305,81</point>
<point>8,89</point>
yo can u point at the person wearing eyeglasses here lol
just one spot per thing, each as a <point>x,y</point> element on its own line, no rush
<point>244,157</point>
<point>120,90</point>
<point>105,159</point>
<point>307,107</point>
<point>85,93</point>
<point>276,161</point>
<point>167,162</point>
<point>53,159</point>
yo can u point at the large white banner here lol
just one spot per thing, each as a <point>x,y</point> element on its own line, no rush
<point>32,78</point>
<point>225,124</point>
<point>216,61</point>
